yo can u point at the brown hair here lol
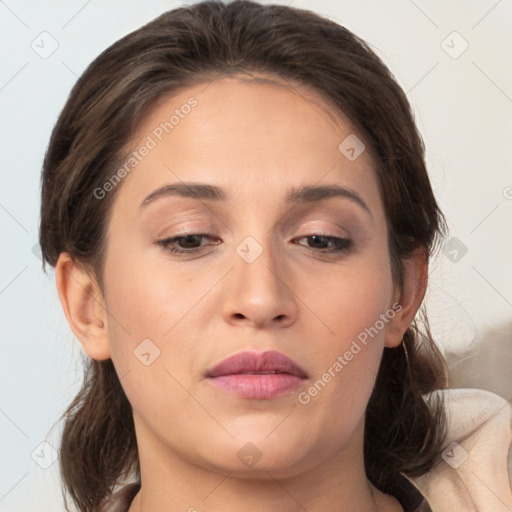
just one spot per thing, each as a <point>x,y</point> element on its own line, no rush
<point>194,44</point>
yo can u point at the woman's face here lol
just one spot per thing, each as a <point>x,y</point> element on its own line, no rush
<point>257,281</point>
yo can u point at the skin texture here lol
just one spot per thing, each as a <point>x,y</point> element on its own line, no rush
<point>255,140</point>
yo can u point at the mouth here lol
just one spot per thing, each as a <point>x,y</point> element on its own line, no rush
<point>257,375</point>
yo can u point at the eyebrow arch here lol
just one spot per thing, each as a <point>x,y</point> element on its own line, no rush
<point>305,194</point>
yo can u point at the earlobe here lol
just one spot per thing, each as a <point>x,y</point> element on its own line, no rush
<point>83,306</point>
<point>409,297</point>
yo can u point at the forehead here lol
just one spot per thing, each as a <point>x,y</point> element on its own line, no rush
<point>245,133</point>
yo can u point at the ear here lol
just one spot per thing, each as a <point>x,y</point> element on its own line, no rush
<point>408,298</point>
<point>84,306</point>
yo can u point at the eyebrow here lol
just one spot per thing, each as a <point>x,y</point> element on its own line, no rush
<point>301,195</point>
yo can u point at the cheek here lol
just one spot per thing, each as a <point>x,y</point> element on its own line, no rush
<point>144,300</point>
<point>152,311</point>
<point>353,310</point>
<point>352,300</point>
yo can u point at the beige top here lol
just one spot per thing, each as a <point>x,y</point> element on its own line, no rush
<point>475,475</point>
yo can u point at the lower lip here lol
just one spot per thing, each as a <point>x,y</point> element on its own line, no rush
<point>262,386</point>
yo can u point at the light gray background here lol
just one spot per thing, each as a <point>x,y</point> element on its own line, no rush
<point>463,107</point>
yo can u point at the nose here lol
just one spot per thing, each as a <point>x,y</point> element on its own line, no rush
<point>259,293</point>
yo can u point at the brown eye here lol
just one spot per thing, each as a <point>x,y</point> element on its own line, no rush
<point>187,243</point>
<point>326,243</point>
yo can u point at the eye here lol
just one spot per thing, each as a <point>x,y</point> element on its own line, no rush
<point>321,243</point>
<point>190,243</point>
<point>187,243</point>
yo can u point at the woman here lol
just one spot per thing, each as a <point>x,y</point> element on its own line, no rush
<point>236,204</point>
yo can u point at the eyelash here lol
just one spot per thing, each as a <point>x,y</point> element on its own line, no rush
<point>344,244</point>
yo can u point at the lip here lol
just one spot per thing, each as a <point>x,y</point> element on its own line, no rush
<point>257,375</point>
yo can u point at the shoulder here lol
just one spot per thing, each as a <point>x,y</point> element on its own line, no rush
<point>120,501</point>
<point>474,472</point>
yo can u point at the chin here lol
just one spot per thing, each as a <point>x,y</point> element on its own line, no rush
<point>256,454</point>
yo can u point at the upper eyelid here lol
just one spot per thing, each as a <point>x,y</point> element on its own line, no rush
<point>209,234</point>
<point>326,212</point>
<point>287,226</point>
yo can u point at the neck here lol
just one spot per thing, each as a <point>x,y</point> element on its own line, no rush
<point>171,483</point>
<point>230,494</point>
